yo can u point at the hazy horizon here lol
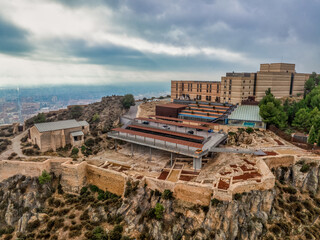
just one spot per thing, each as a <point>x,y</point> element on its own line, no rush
<point>111,42</point>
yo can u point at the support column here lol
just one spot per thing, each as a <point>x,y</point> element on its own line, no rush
<point>171,160</point>
<point>197,163</point>
<point>150,155</point>
<point>131,149</point>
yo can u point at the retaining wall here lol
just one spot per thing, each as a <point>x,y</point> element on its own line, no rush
<point>106,179</point>
<point>283,161</point>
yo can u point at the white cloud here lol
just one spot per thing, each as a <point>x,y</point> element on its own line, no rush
<point>95,25</point>
<point>20,72</point>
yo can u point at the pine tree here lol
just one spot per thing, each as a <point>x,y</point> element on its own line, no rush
<point>312,135</point>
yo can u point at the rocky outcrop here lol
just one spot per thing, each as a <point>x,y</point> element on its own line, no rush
<point>148,214</point>
<point>21,198</point>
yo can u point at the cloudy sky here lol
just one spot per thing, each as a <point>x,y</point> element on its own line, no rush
<point>113,41</point>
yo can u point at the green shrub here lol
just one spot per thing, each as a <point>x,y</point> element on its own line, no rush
<point>128,101</point>
<point>74,151</point>
<point>116,233</point>
<point>45,177</point>
<point>95,118</point>
<point>76,111</point>
<point>89,142</point>
<point>167,194</point>
<point>99,234</point>
<point>215,202</point>
<point>93,188</point>
<point>305,168</point>
<point>249,130</point>
<point>237,196</point>
<point>290,190</point>
<point>158,211</point>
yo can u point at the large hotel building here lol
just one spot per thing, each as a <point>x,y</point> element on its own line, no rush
<point>234,88</point>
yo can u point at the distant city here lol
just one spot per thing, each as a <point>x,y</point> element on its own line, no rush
<point>20,103</point>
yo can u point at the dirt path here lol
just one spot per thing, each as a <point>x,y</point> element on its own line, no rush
<point>14,147</point>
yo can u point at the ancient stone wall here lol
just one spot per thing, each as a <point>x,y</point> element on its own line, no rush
<point>73,176</point>
<point>106,179</point>
<point>32,169</point>
<point>192,192</point>
<point>283,161</point>
<point>160,185</point>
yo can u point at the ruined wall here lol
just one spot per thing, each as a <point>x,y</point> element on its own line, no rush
<point>283,161</point>
<point>32,169</point>
<point>160,185</point>
<point>106,179</point>
<point>193,193</point>
<point>73,176</point>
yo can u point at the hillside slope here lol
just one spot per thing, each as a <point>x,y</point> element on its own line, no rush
<point>289,211</point>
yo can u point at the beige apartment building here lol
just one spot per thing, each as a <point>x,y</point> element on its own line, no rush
<point>196,90</point>
<point>234,88</point>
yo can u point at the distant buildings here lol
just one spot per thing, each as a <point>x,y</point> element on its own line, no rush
<point>54,135</point>
<point>237,87</point>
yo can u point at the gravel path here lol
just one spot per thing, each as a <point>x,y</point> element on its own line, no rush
<point>14,147</point>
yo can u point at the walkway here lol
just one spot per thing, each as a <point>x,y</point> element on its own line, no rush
<point>14,147</point>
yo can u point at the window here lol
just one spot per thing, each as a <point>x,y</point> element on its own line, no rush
<point>230,81</point>
<point>217,88</point>
<point>244,81</point>
<point>176,96</point>
<point>182,86</point>
<point>176,86</point>
<point>229,92</point>
<point>229,99</point>
<point>230,87</point>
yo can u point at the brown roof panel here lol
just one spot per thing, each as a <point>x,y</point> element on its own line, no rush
<point>167,139</point>
<point>182,120</point>
<point>173,123</point>
<point>172,105</point>
<point>168,132</point>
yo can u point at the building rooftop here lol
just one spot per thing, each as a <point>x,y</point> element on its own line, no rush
<point>172,105</point>
<point>246,113</point>
<point>59,125</point>
<point>77,133</point>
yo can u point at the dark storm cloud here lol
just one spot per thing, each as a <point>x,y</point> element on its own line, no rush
<point>258,28</point>
<point>13,40</point>
<point>125,57</point>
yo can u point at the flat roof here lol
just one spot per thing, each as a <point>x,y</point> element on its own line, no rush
<point>172,105</point>
<point>201,112</point>
<point>77,133</point>
<point>173,123</point>
<point>195,137</point>
<point>181,120</point>
<point>167,139</point>
<point>59,125</point>
<point>246,113</point>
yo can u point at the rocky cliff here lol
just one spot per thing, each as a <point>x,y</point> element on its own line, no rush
<point>289,211</point>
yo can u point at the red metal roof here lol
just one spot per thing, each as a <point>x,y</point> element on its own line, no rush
<point>168,132</point>
<point>173,123</point>
<point>167,139</point>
